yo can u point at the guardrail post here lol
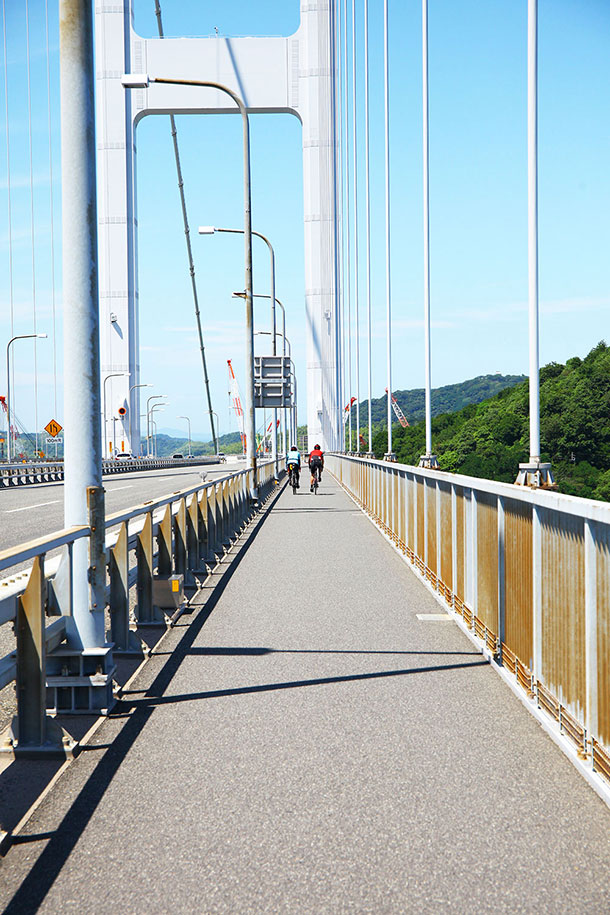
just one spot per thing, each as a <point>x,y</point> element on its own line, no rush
<point>192,535</point>
<point>144,558</point>
<point>33,733</point>
<point>204,527</point>
<point>501,579</point>
<point>212,530</point>
<point>119,590</point>
<point>179,525</point>
<point>164,543</point>
<point>591,633</point>
<point>226,515</point>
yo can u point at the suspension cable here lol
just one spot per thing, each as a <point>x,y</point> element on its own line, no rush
<point>189,250</point>
<point>32,230</point>
<point>8,180</point>
<point>51,209</point>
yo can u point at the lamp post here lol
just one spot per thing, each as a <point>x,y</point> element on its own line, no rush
<point>155,406</point>
<point>8,384</point>
<point>111,375</point>
<point>210,230</point>
<point>152,397</point>
<point>142,81</point>
<point>132,388</point>
<point>189,425</point>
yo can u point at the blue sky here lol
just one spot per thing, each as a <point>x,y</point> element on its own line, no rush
<point>478,195</point>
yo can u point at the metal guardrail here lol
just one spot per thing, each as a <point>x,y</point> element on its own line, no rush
<point>528,572</point>
<point>179,535</point>
<point>53,471</point>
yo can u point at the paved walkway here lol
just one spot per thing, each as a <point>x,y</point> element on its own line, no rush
<point>311,746</point>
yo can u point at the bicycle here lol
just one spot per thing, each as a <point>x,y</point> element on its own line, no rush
<point>293,478</point>
<point>315,472</point>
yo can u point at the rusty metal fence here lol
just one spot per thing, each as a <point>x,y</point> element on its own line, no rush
<point>528,572</point>
<point>175,537</point>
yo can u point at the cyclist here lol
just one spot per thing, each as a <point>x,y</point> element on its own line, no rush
<point>316,465</point>
<point>293,459</point>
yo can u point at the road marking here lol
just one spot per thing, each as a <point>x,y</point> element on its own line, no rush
<point>116,488</point>
<point>26,508</point>
<point>428,617</point>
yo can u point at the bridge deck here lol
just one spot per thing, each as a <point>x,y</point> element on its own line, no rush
<point>312,746</point>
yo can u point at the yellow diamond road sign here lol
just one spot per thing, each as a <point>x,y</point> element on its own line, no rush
<point>53,428</point>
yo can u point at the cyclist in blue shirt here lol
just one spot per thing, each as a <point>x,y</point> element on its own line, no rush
<point>294,458</point>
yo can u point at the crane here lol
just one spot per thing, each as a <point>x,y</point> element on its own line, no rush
<point>235,398</point>
<point>347,409</point>
<point>402,419</point>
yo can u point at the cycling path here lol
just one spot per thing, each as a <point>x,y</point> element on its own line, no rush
<point>308,745</point>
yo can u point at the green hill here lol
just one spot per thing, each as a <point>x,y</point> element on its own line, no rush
<point>490,438</point>
<point>447,399</point>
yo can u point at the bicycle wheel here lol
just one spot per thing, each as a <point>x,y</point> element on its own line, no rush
<point>293,482</point>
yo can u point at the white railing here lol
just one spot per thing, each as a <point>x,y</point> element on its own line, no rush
<point>528,571</point>
<point>33,472</point>
<point>170,538</point>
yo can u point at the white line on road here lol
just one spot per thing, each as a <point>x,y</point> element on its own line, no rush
<point>430,617</point>
<point>25,508</point>
<point>116,488</point>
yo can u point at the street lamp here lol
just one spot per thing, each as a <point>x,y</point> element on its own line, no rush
<point>155,406</point>
<point>210,230</point>
<point>8,384</point>
<point>111,375</point>
<point>240,295</point>
<point>132,388</point>
<point>142,81</point>
<point>152,397</point>
<point>189,423</point>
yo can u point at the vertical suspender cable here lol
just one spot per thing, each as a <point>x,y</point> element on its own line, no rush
<point>187,235</point>
<point>426,225</point>
<point>368,214</point>
<point>336,52</point>
<point>52,214</point>
<point>355,166</point>
<point>342,211</point>
<point>348,230</point>
<point>8,187</point>
<point>33,237</point>
<point>386,100</point>
<point>532,225</point>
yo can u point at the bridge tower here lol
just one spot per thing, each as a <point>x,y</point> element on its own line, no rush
<point>293,75</point>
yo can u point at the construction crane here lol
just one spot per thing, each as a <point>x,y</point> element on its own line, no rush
<point>363,441</point>
<point>235,398</point>
<point>402,419</point>
<point>263,438</point>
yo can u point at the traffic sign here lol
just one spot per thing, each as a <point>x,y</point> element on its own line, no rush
<point>122,411</point>
<point>53,428</point>
<point>54,441</point>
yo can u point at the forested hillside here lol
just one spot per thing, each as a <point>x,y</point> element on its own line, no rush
<point>489,439</point>
<point>447,399</point>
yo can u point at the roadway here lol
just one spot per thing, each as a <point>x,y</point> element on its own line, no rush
<point>317,740</point>
<point>33,511</point>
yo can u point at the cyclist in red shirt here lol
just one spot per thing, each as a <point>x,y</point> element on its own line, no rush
<point>316,464</point>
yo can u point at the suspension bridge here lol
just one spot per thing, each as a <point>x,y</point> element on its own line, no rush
<point>221,695</point>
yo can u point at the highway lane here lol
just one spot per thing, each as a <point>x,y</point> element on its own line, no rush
<point>33,511</point>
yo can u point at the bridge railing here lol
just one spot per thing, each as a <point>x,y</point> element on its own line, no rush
<point>33,472</point>
<point>528,571</point>
<point>152,550</point>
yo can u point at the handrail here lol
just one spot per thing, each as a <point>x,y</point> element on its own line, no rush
<point>34,472</point>
<point>524,570</point>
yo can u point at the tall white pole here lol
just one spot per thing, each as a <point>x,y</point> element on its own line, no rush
<point>82,435</point>
<point>355,167</point>
<point>388,295</point>
<point>348,230</point>
<point>368,218</point>
<point>532,223</point>
<point>426,190</point>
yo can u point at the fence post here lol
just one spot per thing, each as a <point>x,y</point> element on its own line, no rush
<point>164,543</point>
<point>179,525</point>
<point>537,595</point>
<point>501,579</point>
<point>33,733</point>
<point>192,535</point>
<point>591,670</point>
<point>144,560</point>
<point>119,590</point>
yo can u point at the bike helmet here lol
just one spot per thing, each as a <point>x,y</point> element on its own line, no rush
<point>316,448</point>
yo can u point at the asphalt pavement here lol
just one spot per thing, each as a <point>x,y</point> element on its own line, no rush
<point>308,745</point>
